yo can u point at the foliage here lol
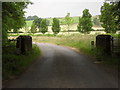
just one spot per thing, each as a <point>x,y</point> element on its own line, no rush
<point>12,17</point>
<point>79,27</point>
<point>107,18</point>
<point>68,20</point>
<point>86,23</point>
<point>43,26</point>
<point>56,26</point>
<point>31,17</point>
<point>15,64</point>
<point>15,30</point>
<point>116,13</point>
<point>33,28</point>
<point>37,22</point>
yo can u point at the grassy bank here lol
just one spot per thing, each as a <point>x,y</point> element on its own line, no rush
<point>13,64</point>
<point>80,42</point>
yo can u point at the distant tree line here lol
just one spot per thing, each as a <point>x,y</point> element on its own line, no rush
<point>42,25</point>
<point>86,22</point>
<point>32,17</point>
<point>84,26</point>
<point>13,19</point>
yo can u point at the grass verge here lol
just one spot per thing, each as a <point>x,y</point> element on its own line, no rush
<point>80,42</point>
<point>13,64</point>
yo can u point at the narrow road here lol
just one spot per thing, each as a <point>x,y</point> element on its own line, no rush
<point>60,67</point>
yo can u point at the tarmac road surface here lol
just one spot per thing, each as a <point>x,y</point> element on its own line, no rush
<point>61,67</point>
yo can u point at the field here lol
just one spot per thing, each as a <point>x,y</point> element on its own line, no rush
<point>75,20</point>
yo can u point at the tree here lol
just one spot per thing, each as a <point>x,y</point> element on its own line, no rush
<point>68,20</point>
<point>43,26</point>
<point>37,22</point>
<point>86,23</point>
<point>33,28</point>
<point>107,18</point>
<point>12,17</point>
<point>116,13</point>
<point>29,18</point>
<point>35,17</point>
<point>56,26</point>
<point>32,17</point>
<point>79,27</point>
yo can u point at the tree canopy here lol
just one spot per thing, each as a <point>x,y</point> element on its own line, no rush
<point>85,23</point>
<point>79,27</point>
<point>12,16</point>
<point>32,17</point>
<point>56,26</point>
<point>43,26</point>
<point>116,13</point>
<point>107,18</point>
<point>33,28</point>
<point>37,22</point>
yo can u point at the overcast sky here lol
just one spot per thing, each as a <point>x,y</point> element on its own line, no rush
<point>59,8</point>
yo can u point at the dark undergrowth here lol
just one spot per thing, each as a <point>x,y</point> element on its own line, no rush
<point>14,64</point>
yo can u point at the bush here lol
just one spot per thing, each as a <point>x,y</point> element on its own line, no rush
<point>56,26</point>
<point>14,64</point>
<point>43,26</point>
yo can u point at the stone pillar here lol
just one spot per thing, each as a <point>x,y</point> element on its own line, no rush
<point>103,42</point>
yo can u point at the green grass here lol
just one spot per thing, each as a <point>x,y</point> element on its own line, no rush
<point>30,34</point>
<point>81,43</point>
<point>14,64</point>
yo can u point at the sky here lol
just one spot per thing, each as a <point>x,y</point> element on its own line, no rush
<point>59,8</point>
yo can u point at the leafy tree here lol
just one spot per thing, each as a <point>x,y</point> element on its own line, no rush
<point>56,26</point>
<point>43,26</point>
<point>37,22</point>
<point>32,17</point>
<point>107,18</point>
<point>79,27</point>
<point>29,18</point>
<point>33,28</point>
<point>86,23</point>
<point>68,20</point>
<point>35,17</point>
<point>12,17</point>
<point>116,13</point>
